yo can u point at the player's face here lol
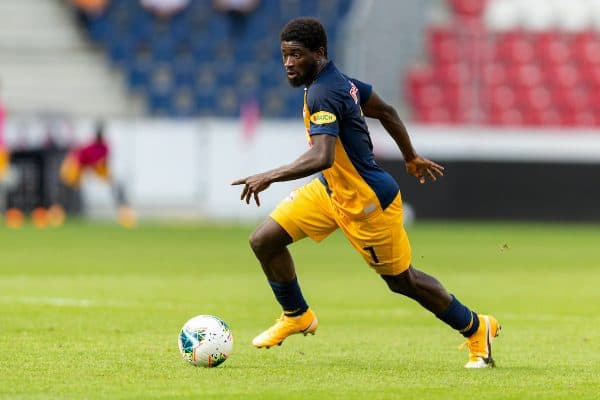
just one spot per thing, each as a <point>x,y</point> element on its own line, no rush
<point>299,62</point>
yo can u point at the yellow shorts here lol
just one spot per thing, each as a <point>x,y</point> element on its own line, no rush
<point>380,238</point>
<point>4,162</point>
<point>71,171</point>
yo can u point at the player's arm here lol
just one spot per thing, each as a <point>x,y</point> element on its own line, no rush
<point>317,158</point>
<point>419,167</point>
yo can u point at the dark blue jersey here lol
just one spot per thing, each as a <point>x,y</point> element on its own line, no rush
<point>332,106</point>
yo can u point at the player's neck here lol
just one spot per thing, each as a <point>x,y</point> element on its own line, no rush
<point>320,66</point>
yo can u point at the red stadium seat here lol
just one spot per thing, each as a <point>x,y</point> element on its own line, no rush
<point>494,74</point>
<point>579,118</point>
<point>537,117</point>
<point>433,115</point>
<point>443,45</point>
<point>454,73</point>
<point>594,99</point>
<point>463,115</point>
<point>502,98</point>
<point>587,118</point>
<point>586,48</point>
<point>525,75</point>
<point>537,98</point>
<point>562,75</point>
<point>551,48</point>
<point>438,33</point>
<point>575,99</point>
<point>513,48</point>
<point>590,76</point>
<point>510,116</point>
<point>418,76</point>
<point>470,8</point>
<point>428,96</point>
<point>509,77</point>
<point>476,49</point>
<point>459,96</point>
<point>588,52</point>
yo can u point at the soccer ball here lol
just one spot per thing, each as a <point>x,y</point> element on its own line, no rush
<point>205,341</point>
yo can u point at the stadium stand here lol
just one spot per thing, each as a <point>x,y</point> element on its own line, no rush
<point>510,62</point>
<point>192,64</point>
<point>48,66</point>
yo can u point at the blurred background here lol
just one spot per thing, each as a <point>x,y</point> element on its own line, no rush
<point>191,94</point>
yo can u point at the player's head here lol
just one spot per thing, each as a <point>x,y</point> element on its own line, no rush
<point>304,48</point>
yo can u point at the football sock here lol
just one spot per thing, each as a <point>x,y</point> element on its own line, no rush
<point>289,295</point>
<point>459,317</point>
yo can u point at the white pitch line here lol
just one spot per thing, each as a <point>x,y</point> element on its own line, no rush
<point>84,303</point>
<point>547,317</point>
<point>52,301</point>
<point>59,302</point>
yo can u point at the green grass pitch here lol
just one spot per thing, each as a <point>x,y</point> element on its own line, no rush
<point>94,311</point>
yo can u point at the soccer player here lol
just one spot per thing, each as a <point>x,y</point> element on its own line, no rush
<point>351,193</point>
<point>4,153</point>
<point>93,157</point>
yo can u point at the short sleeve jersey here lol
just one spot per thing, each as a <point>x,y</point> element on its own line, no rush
<point>93,153</point>
<point>332,106</point>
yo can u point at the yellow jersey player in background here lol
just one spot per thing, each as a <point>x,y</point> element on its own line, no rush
<point>351,193</point>
<point>94,157</point>
<point>4,153</point>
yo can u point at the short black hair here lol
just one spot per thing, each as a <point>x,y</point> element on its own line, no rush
<point>306,30</point>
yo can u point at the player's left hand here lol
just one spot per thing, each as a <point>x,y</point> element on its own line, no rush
<point>421,168</point>
<point>253,185</point>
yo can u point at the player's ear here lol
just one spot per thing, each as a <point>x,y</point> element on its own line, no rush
<point>320,54</point>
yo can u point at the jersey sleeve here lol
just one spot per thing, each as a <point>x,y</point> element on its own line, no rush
<point>364,90</point>
<point>325,111</point>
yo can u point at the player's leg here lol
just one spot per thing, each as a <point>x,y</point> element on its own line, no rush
<point>294,219</point>
<point>70,171</point>
<point>479,330</point>
<point>384,244</point>
<point>430,293</point>
<point>269,242</point>
<point>126,215</point>
<point>419,286</point>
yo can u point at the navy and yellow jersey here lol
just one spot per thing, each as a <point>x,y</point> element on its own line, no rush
<point>332,106</point>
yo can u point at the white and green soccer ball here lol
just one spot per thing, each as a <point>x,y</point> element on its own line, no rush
<point>205,341</point>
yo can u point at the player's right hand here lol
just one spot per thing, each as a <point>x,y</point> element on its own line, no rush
<point>253,185</point>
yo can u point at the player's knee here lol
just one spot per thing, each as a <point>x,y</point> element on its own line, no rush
<point>262,243</point>
<point>258,242</point>
<point>404,283</point>
<point>269,238</point>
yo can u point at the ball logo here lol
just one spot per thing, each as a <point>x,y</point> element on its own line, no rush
<point>322,117</point>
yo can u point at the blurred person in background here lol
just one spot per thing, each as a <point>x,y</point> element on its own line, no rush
<point>94,157</point>
<point>238,11</point>
<point>4,154</point>
<point>92,7</point>
<point>87,10</point>
<point>351,193</point>
<point>4,159</point>
<point>9,177</point>
<point>164,8</point>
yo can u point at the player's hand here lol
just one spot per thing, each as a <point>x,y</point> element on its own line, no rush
<point>253,185</point>
<point>422,168</point>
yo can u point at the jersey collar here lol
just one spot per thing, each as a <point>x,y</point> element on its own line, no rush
<point>329,66</point>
